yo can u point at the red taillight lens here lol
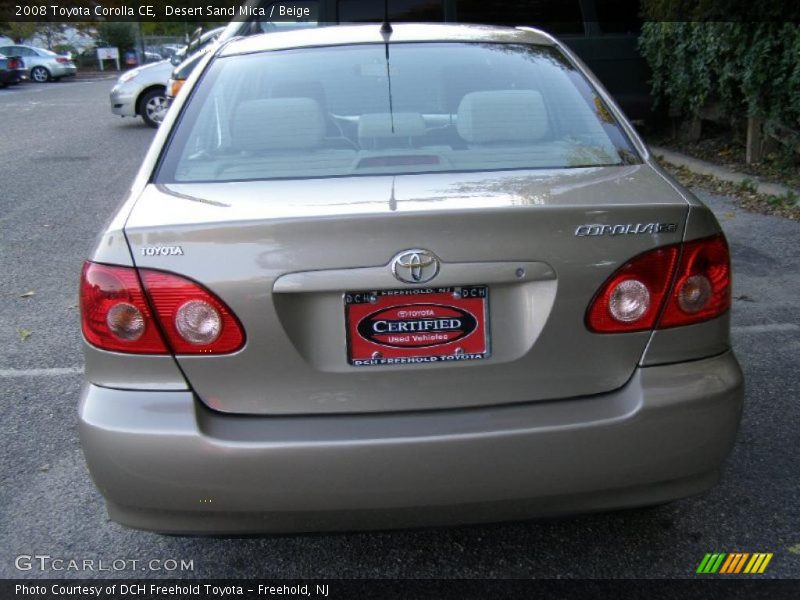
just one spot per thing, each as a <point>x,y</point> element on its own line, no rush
<point>633,297</point>
<point>702,288</point>
<point>114,313</point>
<point>194,320</point>
<point>63,60</point>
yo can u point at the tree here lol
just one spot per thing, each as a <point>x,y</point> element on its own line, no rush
<point>18,31</point>
<point>118,34</point>
<point>51,32</point>
<point>23,31</point>
<point>167,28</point>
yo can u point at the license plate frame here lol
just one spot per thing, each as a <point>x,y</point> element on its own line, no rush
<point>416,326</point>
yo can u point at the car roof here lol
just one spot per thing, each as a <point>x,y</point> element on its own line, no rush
<point>36,49</point>
<point>211,33</point>
<point>371,33</point>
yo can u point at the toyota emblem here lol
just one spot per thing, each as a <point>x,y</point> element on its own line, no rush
<point>415,266</point>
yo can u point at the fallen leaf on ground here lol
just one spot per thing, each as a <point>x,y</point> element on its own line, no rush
<point>24,334</point>
<point>27,294</point>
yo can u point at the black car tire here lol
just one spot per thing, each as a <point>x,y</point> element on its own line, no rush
<point>146,104</point>
<point>40,74</point>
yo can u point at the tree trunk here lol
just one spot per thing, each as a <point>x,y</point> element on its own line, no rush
<point>755,137</point>
<point>690,129</point>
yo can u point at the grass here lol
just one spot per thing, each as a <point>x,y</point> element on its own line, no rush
<point>744,193</point>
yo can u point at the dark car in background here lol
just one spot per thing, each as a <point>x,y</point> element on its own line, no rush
<point>5,73</point>
<point>12,70</point>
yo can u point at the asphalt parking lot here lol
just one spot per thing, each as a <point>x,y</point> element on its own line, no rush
<point>66,163</point>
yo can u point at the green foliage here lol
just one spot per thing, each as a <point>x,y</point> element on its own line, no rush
<point>747,185</point>
<point>22,32</point>
<point>19,32</point>
<point>65,49</point>
<point>165,28</point>
<point>117,33</point>
<point>787,199</point>
<point>720,10</point>
<point>177,28</point>
<point>752,69</point>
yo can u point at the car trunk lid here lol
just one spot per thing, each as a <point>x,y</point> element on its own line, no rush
<point>283,254</point>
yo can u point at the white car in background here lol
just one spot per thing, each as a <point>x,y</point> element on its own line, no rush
<point>143,92</point>
<point>43,65</point>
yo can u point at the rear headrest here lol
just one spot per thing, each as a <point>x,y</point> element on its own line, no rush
<point>502,116</point>
<point>296,88</point>
<point>378,126</point>
<point>277,124</point>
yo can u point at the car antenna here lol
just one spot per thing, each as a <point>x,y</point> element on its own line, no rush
<point>386,27</point>
<point>386,31</point>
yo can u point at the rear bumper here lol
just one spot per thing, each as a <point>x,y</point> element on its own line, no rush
<point>13,76</point>
<point>165,462</point>
<point>64,71</point>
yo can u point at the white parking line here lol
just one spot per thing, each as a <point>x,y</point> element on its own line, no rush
<point>57,372</point>
<point>766,328</point>
<point>26,88</point>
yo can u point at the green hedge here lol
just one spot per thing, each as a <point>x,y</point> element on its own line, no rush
<point>752,69</point>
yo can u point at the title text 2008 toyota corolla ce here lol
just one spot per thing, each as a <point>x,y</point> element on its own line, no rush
<point>373,279</point>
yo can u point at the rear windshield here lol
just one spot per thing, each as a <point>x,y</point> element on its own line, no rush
<point>428,107</point>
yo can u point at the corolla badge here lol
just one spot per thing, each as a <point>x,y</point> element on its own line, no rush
<point>415,266</point>
<point>598,229</point>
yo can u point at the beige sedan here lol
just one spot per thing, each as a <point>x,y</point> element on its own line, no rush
<point>429,275</point>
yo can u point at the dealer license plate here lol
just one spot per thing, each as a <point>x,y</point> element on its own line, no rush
<point>416,326</point>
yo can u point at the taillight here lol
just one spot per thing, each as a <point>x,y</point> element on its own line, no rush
<point>194,320</point>
<point>63,60</point>
<point>635,295</point>
<point>702,288</point>
<point>631,299</point>
<point>116,313</point>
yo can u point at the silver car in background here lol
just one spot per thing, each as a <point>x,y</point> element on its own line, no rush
<point>142,92</point>
<point>43,65</point>
<point>370,278</point>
